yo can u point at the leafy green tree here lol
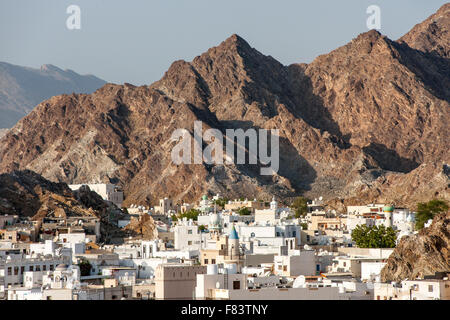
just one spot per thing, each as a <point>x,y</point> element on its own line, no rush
<point>85,267</point>
<point>202,228</point>
<point>191,214</point>
<point>221,202</point>
<point>244,211</point>
<point>300,206</point>
<point>427,211</point>
<point>304,226</point>
<point>374,237</point>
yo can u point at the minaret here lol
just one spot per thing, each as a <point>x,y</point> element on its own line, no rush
<point>273,204</point>
<point>388,212</point>
<point>233,244</point>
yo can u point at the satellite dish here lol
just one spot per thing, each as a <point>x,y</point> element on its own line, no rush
<point>217,285</point>
<point>299,282</point>
<point>320,198</point>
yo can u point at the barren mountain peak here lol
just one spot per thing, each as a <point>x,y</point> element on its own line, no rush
<point>433,34</point>
<point>360,122</point>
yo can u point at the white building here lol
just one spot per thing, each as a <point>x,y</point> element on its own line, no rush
<point>272,235</point>
<point>108,192</point>
<point>187,236</point>
<point>296,264</point>
<point>14,267</point>
<point>216,284</point>
<point>371,270</point>
<point>420,289</point>
<point>123,275</point>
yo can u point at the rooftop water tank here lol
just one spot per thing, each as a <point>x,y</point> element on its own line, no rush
<point>231,268</point>
<point>211,269</point>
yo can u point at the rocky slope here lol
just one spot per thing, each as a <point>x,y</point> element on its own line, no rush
<point>144,227</point>
<point>3,132</point>
<point>28,194</point>
<point>423,254</point>
<point>366,122</point>
<point>22,88</point>
<point>433,34</point>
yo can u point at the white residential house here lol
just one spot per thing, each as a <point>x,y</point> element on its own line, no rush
<point>108,192</point>
<point>187,236</point>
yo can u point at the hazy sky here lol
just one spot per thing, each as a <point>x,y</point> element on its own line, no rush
<point>136,41</point>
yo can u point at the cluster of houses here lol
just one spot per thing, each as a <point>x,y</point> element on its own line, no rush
<point>266,253</point>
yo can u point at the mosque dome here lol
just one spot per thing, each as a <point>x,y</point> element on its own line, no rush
<point>61,267</point>
<point>214,221</point>
<point>204,197</point>
<point>388,208</point>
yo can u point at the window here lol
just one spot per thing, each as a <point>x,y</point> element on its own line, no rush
<point>51,267</point>
<point>16,271</point>
<point>206,261</point>
<point>31,268</point>
<point>38,268</point>
<point>345,264</point>
<point>236,285</point>
<point>213,261</point>
<point>9,271</point>
<point>189,243</point>
<point>44,268</point>
<point>22,270</point>
<point>430,288</point>
<point>284,268</point>
<point>189,231</point>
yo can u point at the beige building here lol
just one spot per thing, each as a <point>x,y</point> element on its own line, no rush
<point>324,223</point>
<point>227,251</point>
<point>176,281</point>
<point>252,205</point>
<point>165,205</point>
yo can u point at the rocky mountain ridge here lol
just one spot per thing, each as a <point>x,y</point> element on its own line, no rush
<point>22,88</point>
<point>365,122</point>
